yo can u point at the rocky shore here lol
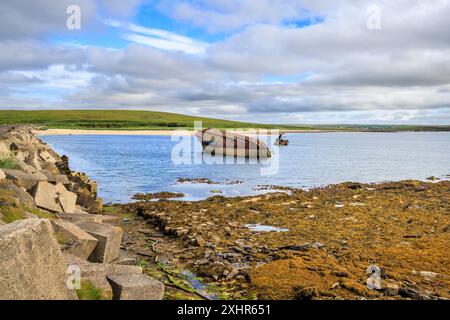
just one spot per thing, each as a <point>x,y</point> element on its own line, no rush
<point>326,243</point>
<point>55,241</point>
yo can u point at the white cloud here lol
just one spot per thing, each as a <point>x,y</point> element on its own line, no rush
<point>334,71</point>
<point>158,38</point>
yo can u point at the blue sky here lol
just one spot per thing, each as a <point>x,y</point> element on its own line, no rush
<point>290,61</point>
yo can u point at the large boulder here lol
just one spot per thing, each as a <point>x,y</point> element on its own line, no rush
<point>78,217</point>
<point>55,198</point>
<point>12,195</point>
<point>47,157</point>
<point>109,240</point>
<point>2,175</point>
<point>61,178</point>
<point>73,239</point>
<point>94,205</point>
<point>50,166</point>
<point>96,273</point>
<point>136,287</point>
<point>22,165</point>
<point>33,160</point>
<point>31,263</point>
<point>23,179</point>
<point>91,269</point>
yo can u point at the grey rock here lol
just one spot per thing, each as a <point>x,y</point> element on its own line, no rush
<point>136,287</point>
<point>75,240</point>
<point>54,197</point>
<point>109,240</point>
<point>18,195</point>
<point>23,179</point>
<point>89,269</point>
<point>31,263</point>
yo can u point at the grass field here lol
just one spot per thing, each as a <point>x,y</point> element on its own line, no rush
<point>148,120</point>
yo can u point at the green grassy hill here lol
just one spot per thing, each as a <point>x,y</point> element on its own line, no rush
<point>142,120</point>
<point>114,119</point>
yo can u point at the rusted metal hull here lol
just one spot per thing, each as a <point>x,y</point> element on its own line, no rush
<point>218,142</point>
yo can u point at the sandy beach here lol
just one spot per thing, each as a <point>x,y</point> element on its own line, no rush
<point>68,132</point>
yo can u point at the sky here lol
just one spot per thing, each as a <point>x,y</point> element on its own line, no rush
<point>268,61</point>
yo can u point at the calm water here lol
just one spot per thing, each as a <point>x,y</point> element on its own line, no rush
<point>125,165</point>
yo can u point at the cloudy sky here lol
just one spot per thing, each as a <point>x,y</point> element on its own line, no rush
<point>271,61</point>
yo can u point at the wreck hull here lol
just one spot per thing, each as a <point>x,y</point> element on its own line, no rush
<point>217,142</point>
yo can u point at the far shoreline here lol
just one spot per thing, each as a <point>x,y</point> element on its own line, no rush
<point>151,132</point>
<point>68,132</point>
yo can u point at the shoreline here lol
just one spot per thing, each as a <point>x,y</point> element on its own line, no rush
<point>107,132</point>
<point>128,132</point>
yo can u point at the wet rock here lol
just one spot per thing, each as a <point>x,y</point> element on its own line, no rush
<point>109,240</point>
<point>136,287</point>
<point>33,267</point>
